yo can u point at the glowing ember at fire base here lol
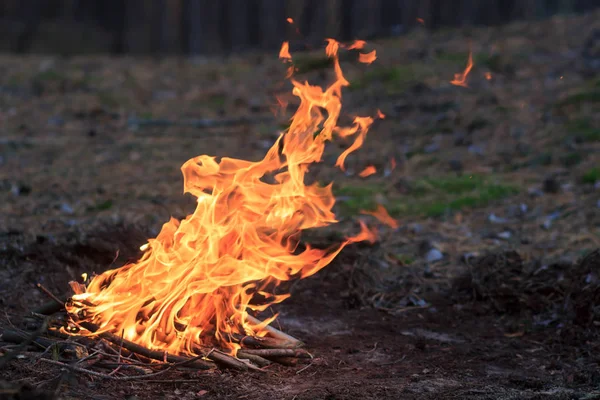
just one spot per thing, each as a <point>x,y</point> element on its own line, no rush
<point>197,280</point>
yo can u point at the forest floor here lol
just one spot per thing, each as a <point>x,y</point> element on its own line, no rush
<point>483,291</point>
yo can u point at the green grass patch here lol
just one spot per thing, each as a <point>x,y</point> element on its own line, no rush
<point>308,64</point>
<point>591,176</point>
<point>571,159</point>
<point>394,78</point>
<point>585,129</point>
<point>108,99</point>
<point>49,75</point>
<point>577,99</point>
<point>101,206</point>
<point>431,197</point>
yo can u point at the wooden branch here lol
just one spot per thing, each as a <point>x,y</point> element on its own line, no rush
<point>103,376</point>
<point>268,342</point>
<point>49,308</point>
<point>287,361</point>
<point>276,333</point>
<point>153,354</point>
<point>268,353</point>
<point>258,360</point>
<point>13,336</point>
<point>224,359</point>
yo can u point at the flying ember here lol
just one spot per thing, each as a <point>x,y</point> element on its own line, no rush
<point>200,277</point>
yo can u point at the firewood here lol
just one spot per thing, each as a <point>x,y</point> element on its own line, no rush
<point>268,342</point>
<point>258,360</point>
<point>268,353</point>
<point>276,333</point>
<point>141,350</point>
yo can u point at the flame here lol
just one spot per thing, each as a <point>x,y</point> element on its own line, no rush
<point>290,20</point>
<point>198,279</point>
<point>380,115</point>
<point>357,44</point>
<point>367,58</point>
<point>284,53</point>
<point>460,79</point>
<point>368,171</point>
<point>383,216</point>
<point>488,76</point>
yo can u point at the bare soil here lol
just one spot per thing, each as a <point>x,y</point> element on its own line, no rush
<point>493,296</point>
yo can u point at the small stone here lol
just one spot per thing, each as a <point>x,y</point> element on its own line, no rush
<point>55,121</point>
<point>504,235</point>
<point>456,165</point>
<point>535,192</point>
<point>496,220</point>
<point>551,185</point>
<point>433,255</point>
<point>431,148</point>
<point>428,273</point>
<point>417,228</point>
<point>66,208</point>
<point>477,150</point>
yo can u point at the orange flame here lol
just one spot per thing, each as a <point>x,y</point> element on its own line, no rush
<point>358,45</point>
<point>368,171</point>
<point>383,216</point>
<point>197,280</point>
<point>380,115</point>
<point>367,58</point>
<point>290,20</point>
<point>460,79</point>
<point>284,53</point>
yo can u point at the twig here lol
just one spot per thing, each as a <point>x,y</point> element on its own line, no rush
<point>275,332</point>
<point>303,368</point>
<point>16,336</point>
<point>153,354</point>
<point>49,308</point>
<point>268,342</point>
<point>104,376</point>
<point>258,360</point>
<point>121,345</point>
<point>268,353</point>
<point>226,360</point>
<point>9,356</point>
<point>50,294</point>
<point>287,361</point>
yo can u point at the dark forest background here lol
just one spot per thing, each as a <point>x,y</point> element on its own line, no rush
<point>211,26</point>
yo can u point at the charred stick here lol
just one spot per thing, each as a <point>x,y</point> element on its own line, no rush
<point>27,340</point>
<point>224,359</point>
<point>141,350</point>
<point>268,342</point>
<point>275,332</point>
<point>50,294</point>
<point>287,361</point>
<point>13,336</point>
<point>258,360</point>
<point>49,308</point>
<point>268,353</point>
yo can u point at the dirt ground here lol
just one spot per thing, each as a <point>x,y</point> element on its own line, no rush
<point>489,289</point>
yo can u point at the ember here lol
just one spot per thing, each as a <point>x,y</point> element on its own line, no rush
<point>198,279</point>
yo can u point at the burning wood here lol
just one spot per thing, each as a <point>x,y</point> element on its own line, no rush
<point>186,302</point>
<point>197,280</point>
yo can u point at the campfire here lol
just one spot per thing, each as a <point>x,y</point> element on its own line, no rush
<point>191,297</point>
